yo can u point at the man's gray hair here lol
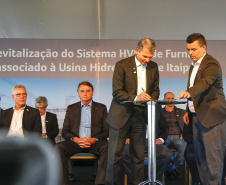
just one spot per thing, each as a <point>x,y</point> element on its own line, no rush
<point>41,100</point>
<point>18,86</point>
<point>147,43</point>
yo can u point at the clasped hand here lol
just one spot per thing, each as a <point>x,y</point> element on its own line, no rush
<point>84,142</point>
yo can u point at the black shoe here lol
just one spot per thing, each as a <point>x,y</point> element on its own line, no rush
<point>72,178</point>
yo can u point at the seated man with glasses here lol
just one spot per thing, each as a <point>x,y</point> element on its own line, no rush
<point>21,117</point>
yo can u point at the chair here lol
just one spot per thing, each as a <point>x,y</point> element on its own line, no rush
<point>84,156</point>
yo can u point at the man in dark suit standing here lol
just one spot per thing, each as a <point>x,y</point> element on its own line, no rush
<point>20,118</point>
<point>206,110</point>
<point>85,131</point>
<point>50,127</point>
<point>135,79</point>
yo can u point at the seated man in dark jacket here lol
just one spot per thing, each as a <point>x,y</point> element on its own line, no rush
<point>50,127</point>
<point>85,130</point>
<point>163,154</point>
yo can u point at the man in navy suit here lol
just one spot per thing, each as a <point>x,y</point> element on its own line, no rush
<point>20,118</point>
<point>85,131</point>
<point>49,120</point>
<point>135,79</point>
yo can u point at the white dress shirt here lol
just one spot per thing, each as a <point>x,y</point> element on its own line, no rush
<point>141,77</point>
<point>16,128</point>
<point>43,118</point>
<point>192,80</point>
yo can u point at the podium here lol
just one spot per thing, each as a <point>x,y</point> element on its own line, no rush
<point>150,105</point>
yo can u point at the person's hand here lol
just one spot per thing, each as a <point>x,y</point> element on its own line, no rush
<point>84,142</point>
<point>127,141</point>
<point>89,141</point>
<point>183,95</point>
<point>143,97</point>
<point>158,141</point>
<point>186,118</point>
<point>44,135</point>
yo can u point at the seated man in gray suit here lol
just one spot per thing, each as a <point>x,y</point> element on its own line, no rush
<point>21,117</point>
<point>163,154</point>
<point>49,120</point>
<point>85,131</point>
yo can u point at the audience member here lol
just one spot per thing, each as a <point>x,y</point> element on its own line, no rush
<point>20,118</point>
<point>49,120</point>
<point>85,131</point>
<point>174,119</point>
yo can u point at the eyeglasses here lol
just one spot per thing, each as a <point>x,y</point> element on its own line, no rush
<point>20,94</point>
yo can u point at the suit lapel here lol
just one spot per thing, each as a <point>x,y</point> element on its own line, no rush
<point>189,76</point>
<point>25,116</point>
<point>46,120</point>
<point>201,67</point>
<point>9,119</point>
<point>93,114</point>
<point>134,72</point>
<point>148,74</point>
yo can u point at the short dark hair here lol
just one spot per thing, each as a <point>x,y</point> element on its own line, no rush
<point>196,36</point>
<point>167,93</point>
<point>85,83</point>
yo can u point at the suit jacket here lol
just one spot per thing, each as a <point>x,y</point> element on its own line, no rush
<point>31,120</point>
<point>125,89</point>
<point>179,116</point>
<point>51,126</point>
<point>1,112</point>
<point>99,127</point>
<point>188,133</point>
<point>161,127</point>
<point>207,93</point>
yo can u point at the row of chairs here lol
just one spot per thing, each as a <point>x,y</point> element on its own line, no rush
<point>88,156</point>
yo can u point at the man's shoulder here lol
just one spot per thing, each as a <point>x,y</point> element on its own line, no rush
<point>209,59</point>
<point>125,60</point>
<point>74,105</point>
<point>31,109</point>
<point>50,114</point>
<point>99,104</point>
<point>179,109</point>
<point>6,112</point>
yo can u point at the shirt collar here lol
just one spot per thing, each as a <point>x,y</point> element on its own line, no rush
<point>138,63</point>
<point>19,109</point>
<point>199,61</point>
<point>44,115</point>
<point>89,105</point>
